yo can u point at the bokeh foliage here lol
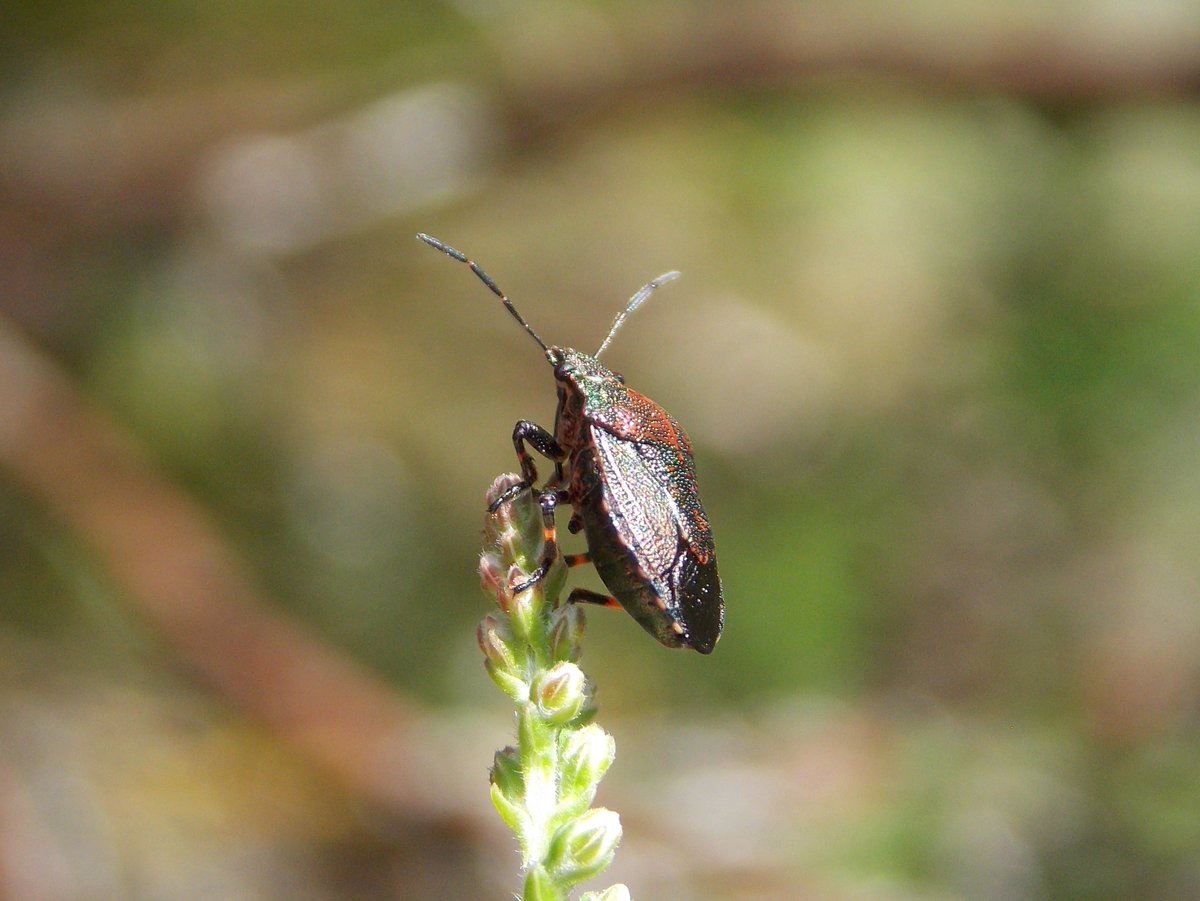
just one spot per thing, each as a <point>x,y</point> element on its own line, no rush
<point>938,349</point>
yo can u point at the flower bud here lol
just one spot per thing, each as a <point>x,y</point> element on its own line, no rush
<point>502,516</point>
<point>511,810</point>
<point>513,686</point>
<point>566,632</point>
<point>587,754</point>
<point>584,847</point>
<point>559,693</point>
<point>492,578</point>
<point>617,892</point>
<point>514,529</point>
<point>506,773</point>
<point>525,607</point>
<point>494,637</point>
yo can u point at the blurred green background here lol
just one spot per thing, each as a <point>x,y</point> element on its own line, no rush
<point>937,345</point>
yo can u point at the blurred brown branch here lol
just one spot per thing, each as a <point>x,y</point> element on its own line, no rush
<point>1056,59</point>
<point>135,158</point>
<point>172,565</point>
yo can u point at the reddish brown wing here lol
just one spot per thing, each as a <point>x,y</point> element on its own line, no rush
<point>667,452</point>
<point>655,507</point>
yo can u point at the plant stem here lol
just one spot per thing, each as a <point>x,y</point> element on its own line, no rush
<point>543,788</point>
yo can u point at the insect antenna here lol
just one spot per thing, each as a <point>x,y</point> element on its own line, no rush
<point>634,302</point>
<point>487,280</point>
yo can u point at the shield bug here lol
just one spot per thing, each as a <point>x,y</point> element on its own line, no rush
<point>625,466</point>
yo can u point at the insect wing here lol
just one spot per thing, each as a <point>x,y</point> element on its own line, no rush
<point>651,497</point>
<point>641,509</point>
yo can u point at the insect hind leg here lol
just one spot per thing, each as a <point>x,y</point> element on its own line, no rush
<point>587,596</point>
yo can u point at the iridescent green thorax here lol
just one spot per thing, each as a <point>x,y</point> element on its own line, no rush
<point>585,372</point>
<point>583,384</point>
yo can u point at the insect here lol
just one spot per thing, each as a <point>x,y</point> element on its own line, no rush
<point>625,467</point>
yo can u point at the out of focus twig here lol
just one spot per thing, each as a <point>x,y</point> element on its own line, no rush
<point>170,562</point>
<point>135,158</point>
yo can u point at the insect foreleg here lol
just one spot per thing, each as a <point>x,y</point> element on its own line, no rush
<point>543,442</point>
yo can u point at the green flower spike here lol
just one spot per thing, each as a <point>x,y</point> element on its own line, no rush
<point>543,788</point>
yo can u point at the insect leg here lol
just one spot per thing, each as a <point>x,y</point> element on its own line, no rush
<point>547,500</point>
<point>543,442</point>
<point>586,596</point>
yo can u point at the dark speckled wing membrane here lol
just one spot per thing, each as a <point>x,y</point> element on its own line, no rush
<point>657,515</point>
